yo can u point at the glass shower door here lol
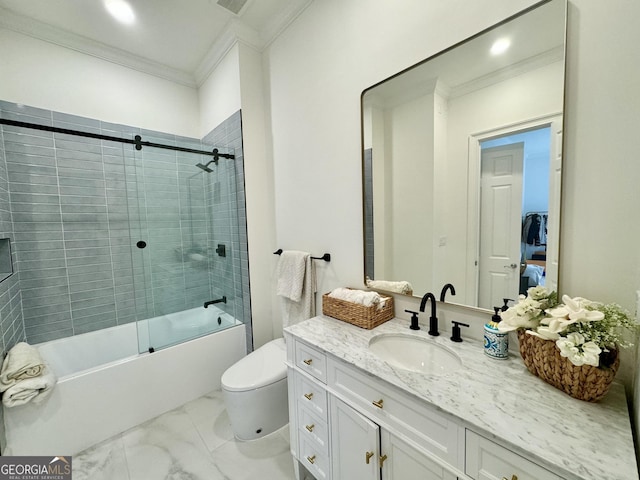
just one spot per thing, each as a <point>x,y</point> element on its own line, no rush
<point>185,213</point>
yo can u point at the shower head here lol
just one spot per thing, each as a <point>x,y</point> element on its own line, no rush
<point>206,167</point>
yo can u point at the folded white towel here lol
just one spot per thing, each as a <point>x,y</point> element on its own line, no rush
<point>296,284</point>
<point>368,299</point>
<point>34,389</point>
<point>23,361</point>
<point>391,286</point>
<point>290,274</point>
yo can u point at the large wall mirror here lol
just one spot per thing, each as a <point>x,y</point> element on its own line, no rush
<point>462,158</point>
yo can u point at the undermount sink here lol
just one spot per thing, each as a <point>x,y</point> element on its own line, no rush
<point>415,354</point>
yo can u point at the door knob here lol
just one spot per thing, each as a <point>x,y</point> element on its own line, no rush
<point>513,266</point>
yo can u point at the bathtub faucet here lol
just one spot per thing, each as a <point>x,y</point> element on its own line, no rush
<point>211,302</point>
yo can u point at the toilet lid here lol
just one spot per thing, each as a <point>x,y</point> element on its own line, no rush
<point>261,367</point>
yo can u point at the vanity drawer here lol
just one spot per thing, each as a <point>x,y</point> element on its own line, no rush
<point>311,361</point>
<point>314,460</point>
<point>431,430</point>
<point>311,395</point>
<point>313,430</point>
<point>485,459</point>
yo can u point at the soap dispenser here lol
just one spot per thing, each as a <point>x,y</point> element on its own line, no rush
<point>496,343</point>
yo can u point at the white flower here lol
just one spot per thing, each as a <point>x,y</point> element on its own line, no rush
<point>523,314</point>
<point>578,351</point>
<point>544,332</point>
<point>538,293</point>
<point>571,312</point>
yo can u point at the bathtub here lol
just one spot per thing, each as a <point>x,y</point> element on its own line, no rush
<point>106,387</point>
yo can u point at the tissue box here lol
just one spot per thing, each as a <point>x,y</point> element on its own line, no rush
<point>356,314</point>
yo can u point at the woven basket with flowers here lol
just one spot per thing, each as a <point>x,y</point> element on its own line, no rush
<point>573,345</point>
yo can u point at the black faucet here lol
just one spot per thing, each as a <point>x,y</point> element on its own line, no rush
<point>414,320</point>
<point>433,320</point>
<point>211,302</point>
<point>448,286</point>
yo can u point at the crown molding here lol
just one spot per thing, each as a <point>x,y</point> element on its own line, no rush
<point>79,43</point>
<point>234,32</point>
<point>280,22</point>
<point>531,63</point>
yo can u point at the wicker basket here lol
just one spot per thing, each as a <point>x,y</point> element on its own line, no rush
<point>584,382</point>
<point>359,315</point>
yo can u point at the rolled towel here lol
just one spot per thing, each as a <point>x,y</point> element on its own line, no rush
<point>368,299</point>
<point>402,286</point>
<point>34,389</point>
<point>23,361</point>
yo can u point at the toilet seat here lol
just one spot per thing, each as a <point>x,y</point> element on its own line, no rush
<point>260,368</point>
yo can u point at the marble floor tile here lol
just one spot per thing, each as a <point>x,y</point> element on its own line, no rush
<point>105,461</point>
<point>268,457</point>
<point>192,442</point>
<point>210,417</point>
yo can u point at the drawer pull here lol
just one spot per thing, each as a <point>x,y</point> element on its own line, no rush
<point>310,427</point>
<point>379,404</point>
<point>367,457</point>
<point>308,361</point>
<point>513,477</point>
<point>311,459</point>
<point>308,396</point>
<point>383,458</point>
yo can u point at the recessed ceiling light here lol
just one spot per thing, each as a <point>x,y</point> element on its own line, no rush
<point>121,10</point>
<point>500,46</point>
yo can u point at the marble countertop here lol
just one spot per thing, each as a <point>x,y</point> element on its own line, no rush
<point>501,400</point>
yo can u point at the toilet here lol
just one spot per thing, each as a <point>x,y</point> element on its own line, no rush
<point>255,391</point>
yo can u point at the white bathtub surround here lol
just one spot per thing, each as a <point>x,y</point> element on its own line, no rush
<point>193,441</point>
<point>500,400</point>
<point>90,406</point>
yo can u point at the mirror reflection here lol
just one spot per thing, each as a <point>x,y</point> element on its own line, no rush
<point>462,159</point>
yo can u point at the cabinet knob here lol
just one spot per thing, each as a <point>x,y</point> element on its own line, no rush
<point>310,427</point>
<point>379,403</point>
<point>513,477</point>
<point>383,458</point>
<point>367,457</point>
<point>309,361</point>
<point>308,396</point>
<point>311,459</point>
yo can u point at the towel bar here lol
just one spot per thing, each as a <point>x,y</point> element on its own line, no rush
<point>326,257</point>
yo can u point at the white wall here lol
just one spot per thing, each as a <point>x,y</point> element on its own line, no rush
<point>219,94</point>
<point>316,79</point>
<point>44,75</point>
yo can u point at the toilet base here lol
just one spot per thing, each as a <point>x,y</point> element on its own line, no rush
<point>258,412</point>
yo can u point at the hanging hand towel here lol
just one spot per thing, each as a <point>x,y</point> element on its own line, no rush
<point>34,389</point>
<point>23,361</point>
<point>296,284</point>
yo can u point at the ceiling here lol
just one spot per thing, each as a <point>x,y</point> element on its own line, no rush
<point>178,40</point>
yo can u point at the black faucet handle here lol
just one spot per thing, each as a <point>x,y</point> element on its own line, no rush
<point>455,336</point>
<point>414,320</point>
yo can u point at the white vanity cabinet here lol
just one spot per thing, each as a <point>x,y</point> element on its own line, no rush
<point>362,449</point>
<point>487,461</point>
<point>348,407</point>
<point>354,427</point>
